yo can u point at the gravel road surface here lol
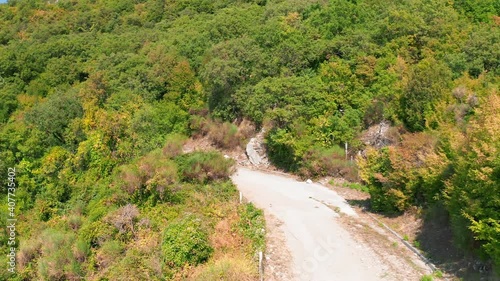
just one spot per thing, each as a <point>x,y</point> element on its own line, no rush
<point>321,249</point>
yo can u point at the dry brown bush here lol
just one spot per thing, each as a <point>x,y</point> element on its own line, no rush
<point>164,176</point>
<point>173,146</point>
<point>147,166</point>
<point>226,268</point>
<point>28,251</point>
<point>124,218</point>
<point>224,135</point>
<point>75,221</point>
<point>131,178</point>
<point>224,237</point>
<point>246,129</point>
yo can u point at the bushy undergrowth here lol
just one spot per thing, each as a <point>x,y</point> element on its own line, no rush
<point>404,175</point>
<point>185,242</point>
<point>201,167</point>
<point>308,159</point>
<point>223,135</point>
<point>253,226</point>
<point>227,268</point>
<point>356,186</point>
<point>90,91</point>
<point>320,162</point>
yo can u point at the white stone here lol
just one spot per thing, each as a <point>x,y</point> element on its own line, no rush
<point>253,155</point>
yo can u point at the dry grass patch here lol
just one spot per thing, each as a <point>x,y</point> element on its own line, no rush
<point>225,238</point>
<point>226,268</point>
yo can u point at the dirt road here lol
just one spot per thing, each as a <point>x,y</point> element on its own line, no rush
<point>321,249</point>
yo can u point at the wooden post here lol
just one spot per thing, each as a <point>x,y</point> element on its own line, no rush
<point>346,151</point>
<point>261,269</point>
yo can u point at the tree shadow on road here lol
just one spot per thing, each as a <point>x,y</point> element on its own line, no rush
<point>363,203</point>
<point>436,241</point>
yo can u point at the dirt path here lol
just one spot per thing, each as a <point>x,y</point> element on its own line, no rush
<point>308,218</point>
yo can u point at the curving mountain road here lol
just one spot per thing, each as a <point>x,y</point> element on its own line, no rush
<point>321,249</point>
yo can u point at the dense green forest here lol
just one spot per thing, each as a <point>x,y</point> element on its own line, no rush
<point>97,98</point>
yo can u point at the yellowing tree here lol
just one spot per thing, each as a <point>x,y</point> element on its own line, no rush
<point>473,194</point>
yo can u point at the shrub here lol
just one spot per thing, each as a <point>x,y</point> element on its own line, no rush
<point>57,261</point>
<point>54,115</point>
<point>202,167</point>
<point>75,221</point>
<point>109,253</point>
<point>186,242</point>
<point>124,218</point>
<point>325,162</point>
<point>151,125</point>
<point>131,178</point>
<point>252,224</point>
<point>473,192</point>
<point>96,232</point>
<point>388,200</point>
<point>150,177</point>
<point>29,250</point>
<point>427,278</point>
<point>224,135</point>
<point>282,150</point>
<point>356,186</point>
<point>134,265</point>
<point>226,268</point>
<point>164,177</point>
<point>411,173</point>
<point>199,126</point>
<point>246,129</point>
<point>81,250</point>
<point>173,146</point>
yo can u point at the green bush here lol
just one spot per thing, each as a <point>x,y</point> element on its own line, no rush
<point>388,200</point>
<point>97,232</point>
<point>185,241</point>
<point>173,145</point>
<point>427,278</point>
<point>324,162</point>
<point>356,186</point>
<point>252,224</point>
<point>202,167</point>
<point>152,124</point>
<point>109,253</point>
<point>281,150</point>
<point>54,115</point>
<point>472,195</point>
<point>57,261</point>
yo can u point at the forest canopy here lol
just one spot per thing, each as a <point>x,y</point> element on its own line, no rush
<point>92,91</point>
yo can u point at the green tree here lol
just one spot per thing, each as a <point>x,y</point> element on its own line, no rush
<point>54,115</point>
<point>473,193</point>
<point>428,85</point>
